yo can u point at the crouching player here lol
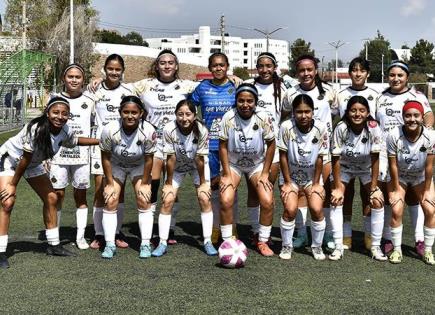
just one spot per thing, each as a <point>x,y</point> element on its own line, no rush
<point>127,149</point>
<point>186,147</point>
<point>242,151</point>
<point>303,143</point>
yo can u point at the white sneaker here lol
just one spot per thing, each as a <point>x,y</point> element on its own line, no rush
<point>337,254</point>
<point>377,254</point>
<point>82,244</point>
<point>318,253</point>
<point>286,252</point>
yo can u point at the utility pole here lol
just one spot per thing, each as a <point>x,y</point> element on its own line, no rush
<point>382,68</point>
<point>23,61</point>
<point>71,31</point>
<point>366,45</point>
<point>223,33</point>
<point>267,34</point>
<point>336,45</point>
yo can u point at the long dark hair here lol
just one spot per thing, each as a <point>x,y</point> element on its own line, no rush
<point>42,137</point>
<point>317,80</point>
<point>353,100</point>
<point>196,123</point>
<point>276,80</point>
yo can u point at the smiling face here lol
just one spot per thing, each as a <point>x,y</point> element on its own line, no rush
<point>303,115</point>
<point>245,104</point>
<point>306,72</point>
<point>73,81</point>
<point>266,69</point>
<point>167,67</point>
<point>412,119</point>
<point>58,115</point>
<point>131,115</point>
<point>358,75</point>
<point>398,80</point>
<point>185,117</point>
<point>218,68</point>
<point>358,114</point>
<point>114,71</point>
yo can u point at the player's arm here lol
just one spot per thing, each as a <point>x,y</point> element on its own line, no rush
<point>170,167</point>
<point>200,166</point>
<point>87,141</point>
<point>428,172</point>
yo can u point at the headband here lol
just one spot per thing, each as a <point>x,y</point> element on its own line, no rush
<point>132,99</point>
<point>267,55</point>
<point>167,52</point>
<point>247,88</point>
<point>399,64</point>
<point>74,65</point>
<point>413,104</point>
<point>55,101</point>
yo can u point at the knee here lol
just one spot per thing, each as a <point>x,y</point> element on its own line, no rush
<point>51,199</point>
<point>317,214</point>
<point>8,205</point>
<point>203,199</point>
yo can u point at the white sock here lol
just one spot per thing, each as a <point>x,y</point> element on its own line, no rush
<point>153,207</point>
<point>175,210</point>
<point>417,220</point>
<point>254,217</point>
<point>3,243</point>
<point>264,232</point>
<point>207,225</point>
<point>97,216</point>
<point>146,221</point>
<point>327,214</point>
<point>317,232</point>
<point>377,224</point>
<point>236,213</point>
<point>337,226</point>
<point>396,237</point>
<point>81,220</point>
<point>226,231</point>
<point>59,215</point>
<point>387,221</point>
<point>120,216</point>
<point>110,221</point>
<point>215,207</point>
<point>429,236</point>
<point>52,236</point>
<point>287,231</point>
<point>367,222</point>
<point>347,226</point>
<point>164,225</point>
<point>301,221</point>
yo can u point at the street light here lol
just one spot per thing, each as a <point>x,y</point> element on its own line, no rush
<point>71,32</point>
<point>267,34</point>
<point>336,45</point>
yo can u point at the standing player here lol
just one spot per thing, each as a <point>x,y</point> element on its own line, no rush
<point>359,71</point>
<point>356,144</point>
<point>241,151</point>
<point>186,148</point>
<point>389,114</point>
<point>22,156</point>
<point>72,164</point>
<point>127,149</point>
<point>324,98</point>
<point>303,143</point>
<point>411,149</point>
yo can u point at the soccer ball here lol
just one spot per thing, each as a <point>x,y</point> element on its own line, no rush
<point>233,253</point>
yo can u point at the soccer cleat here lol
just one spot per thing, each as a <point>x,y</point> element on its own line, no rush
<point>209,249</point>
<point>367,241</point>
<point>109,251</point>
<point>98,242</point>
<point>215,235</point>
<point>82,244</point>
<point>428,258</point>
<point>264,249</point>
<point>337,254</point>
<point>4,264</point>
<point>377,254</point>
<point>286,252</point>
<point>254,239</point>
<point>120,241</point>
<point>347,242</point>
<point>145,251</point>
<point>160,250</point>
<point>300,241</point>
<point>58,250</point>
<point>396,257</point>
<point>419,248</point>
<point>328,241</point>
<point>388,247</point>
<point>171,240</point>
<point>318,253</point>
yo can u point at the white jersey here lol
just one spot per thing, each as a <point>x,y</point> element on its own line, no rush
<point>355,150</point>
<point>246,137</point>
<point>345,94</point>
<point>303,149</point>
<point>324,105</point>
<point>107,104</point>
<point>411,156</point>
<point>81,110</point>
<point>389,107</point>
<point>185,147</point>
<point>160,100</point>
<point>128,151</point>
<point>25,142</point>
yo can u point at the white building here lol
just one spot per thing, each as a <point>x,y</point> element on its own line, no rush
<point>241,52</point>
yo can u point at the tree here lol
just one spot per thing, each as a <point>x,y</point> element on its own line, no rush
<point>331,64</point>
<point>242,73</point>
<point>109,37</point>
<point>134,38</point>
<point>377,47</point>
<point>422,60</point>
<point>298,48</point>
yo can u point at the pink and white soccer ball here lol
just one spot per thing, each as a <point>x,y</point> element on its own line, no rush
<point>233,253</point>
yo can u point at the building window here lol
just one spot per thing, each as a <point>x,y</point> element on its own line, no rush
<point>197,41</point>
<point>245,45</point>
<point>245,60</point>
<point>215,50</point>
<point>245,53</point>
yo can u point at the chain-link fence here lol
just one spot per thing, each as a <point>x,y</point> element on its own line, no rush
<point>11,107</point>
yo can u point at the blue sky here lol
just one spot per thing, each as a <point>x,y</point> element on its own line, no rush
<point>317,21</point>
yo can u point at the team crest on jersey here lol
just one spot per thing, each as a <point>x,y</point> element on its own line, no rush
<point>315,140</point>
<point>139,142</point>
<point>320,97</point>
<point>195,141</point>
<point>423,149</point>
<point>84,105</point>
<point>230,91</point>
<point>364,140</point>
<point>177,87</point>
<point>370,98</point>
<point>53,179</point>
<point>96,166</point>
<point>255,127</point>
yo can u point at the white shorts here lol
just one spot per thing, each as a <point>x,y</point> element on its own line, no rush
<point>77,175</point>
<point>159,154</point>
<point>347,176</point>
<point>96,165</point>
<point>303,183</point>
<point>8,166</point>
<point>276,156</point>
<point>177,177</point>
<point>411,180</point>
<point>121,173</point>
<point>250,171</point>
<point>384,174</point>
<point>327,158</point>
